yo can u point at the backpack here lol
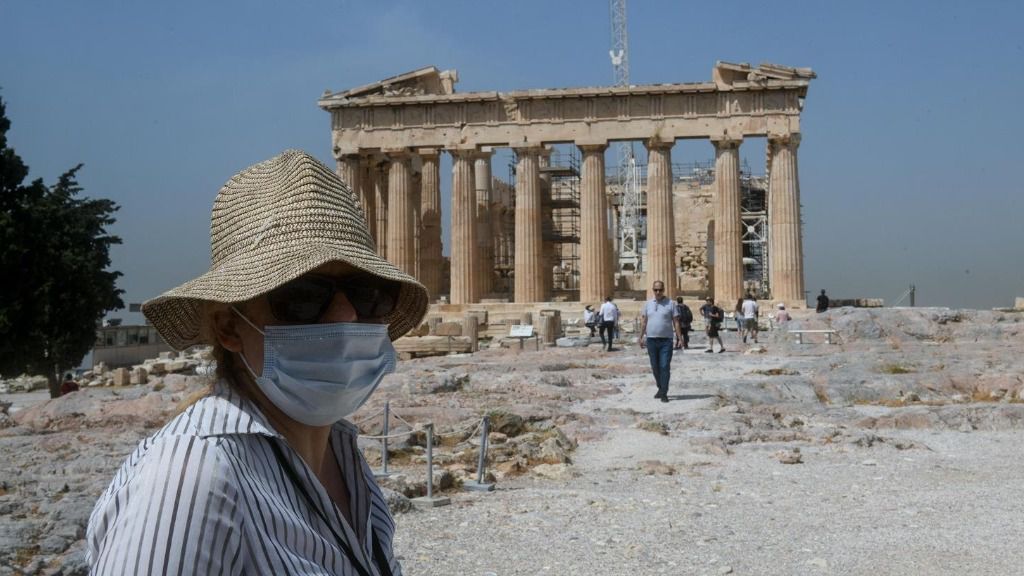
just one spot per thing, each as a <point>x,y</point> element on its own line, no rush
<point>685,315</point>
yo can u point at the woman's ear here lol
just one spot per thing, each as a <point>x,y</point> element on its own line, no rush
<point>225,329</point>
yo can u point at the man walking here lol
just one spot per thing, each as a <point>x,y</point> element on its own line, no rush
<point>685,321</point>
<point>750,311</point>
<point>658,321</point>
<point>609,314</point>
<point>713,316</point>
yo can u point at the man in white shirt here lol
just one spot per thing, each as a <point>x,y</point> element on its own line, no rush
<point>609,316</point>
<point>750,310</point>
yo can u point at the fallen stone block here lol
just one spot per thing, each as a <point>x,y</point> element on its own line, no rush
<point>573,342</point>
<point>176,366</point>
<point>122,377</point>
<point>139,375</point>
<point>449,329</point>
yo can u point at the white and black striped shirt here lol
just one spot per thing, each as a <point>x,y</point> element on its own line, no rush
<point>208,494</point>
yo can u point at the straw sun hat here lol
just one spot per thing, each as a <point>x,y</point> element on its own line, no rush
<point>272,223</point>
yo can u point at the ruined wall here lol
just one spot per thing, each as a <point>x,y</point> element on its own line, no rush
<point>692,204</point>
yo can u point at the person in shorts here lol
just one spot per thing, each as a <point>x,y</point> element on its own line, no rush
<point>713,316</point>
<point>749,309</point>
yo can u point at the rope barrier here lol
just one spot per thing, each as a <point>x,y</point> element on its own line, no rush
<point>395,435</point>
<point>368,418</point>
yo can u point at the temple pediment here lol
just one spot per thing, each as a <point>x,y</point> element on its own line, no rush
<point>727,75</point>
<point>420,82</point>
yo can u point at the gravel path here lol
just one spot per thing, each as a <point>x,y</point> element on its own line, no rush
<point>943,506</point>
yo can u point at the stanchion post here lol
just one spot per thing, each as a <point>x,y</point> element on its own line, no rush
<point>480,485</point>
<point>430,460</point>
<point>429,501</point>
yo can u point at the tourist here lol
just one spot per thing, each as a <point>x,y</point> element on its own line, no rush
<point>658,322</point>
<point>822,302</point>
<point>749,312</point>
<point>263,475</point>
<point>68,385</point>
<point>609,315</point>
<point>713,316</point>
<point>590,319</point>
<point>782,316</point>
<point>685,321</point>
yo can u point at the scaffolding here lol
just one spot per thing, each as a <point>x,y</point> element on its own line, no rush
<point>562,229</point>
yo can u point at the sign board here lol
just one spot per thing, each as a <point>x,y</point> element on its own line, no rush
<point>521,331</point>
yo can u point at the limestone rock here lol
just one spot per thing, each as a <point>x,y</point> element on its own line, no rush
<point>397,502</point>
<point>554,471</point>
<point>656,468</point>
<point>792,456</point>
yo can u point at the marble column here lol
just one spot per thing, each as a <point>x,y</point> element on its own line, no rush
<point>350,170</point>
<point>400,247</point>
<point>595,262</point>
<point>366,194</point>
<point>417,223</point>
<point>728,223</point>
<point>549,251</point>
<point>661,239</point>
<point>430,215</point>
<point>464,260</point>
<point>381,202</point>
<point>529,260</point>
<point>482,186</point>
<point>785,245</point>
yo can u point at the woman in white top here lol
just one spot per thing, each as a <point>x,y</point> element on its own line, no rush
<point>263,475</point>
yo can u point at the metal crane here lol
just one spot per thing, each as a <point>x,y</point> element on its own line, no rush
<point>630,225</point>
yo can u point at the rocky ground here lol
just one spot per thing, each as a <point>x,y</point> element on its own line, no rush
<point>898,450</point>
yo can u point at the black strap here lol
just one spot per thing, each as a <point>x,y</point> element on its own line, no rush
<point>378,551</point>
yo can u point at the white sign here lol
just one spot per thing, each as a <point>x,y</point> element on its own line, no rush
<point>521,331</point>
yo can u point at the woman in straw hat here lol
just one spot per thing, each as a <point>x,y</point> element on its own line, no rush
<point>263,476</point>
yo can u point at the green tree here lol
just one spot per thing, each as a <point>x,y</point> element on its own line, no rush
<point>54,254</point>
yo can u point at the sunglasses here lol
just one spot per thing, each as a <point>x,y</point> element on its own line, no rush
<point>306,299</point>
<point>658,289</point>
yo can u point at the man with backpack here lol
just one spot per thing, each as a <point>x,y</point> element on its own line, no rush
<point>685,321</point>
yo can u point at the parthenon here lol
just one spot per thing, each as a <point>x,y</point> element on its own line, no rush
<point>506,243</point>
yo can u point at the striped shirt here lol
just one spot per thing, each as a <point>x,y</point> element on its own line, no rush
<point>207,494</point>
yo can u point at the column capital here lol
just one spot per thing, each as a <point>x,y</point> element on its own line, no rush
<point>341,152</point>
<point>726,142</point>
<point>466,153</point>
<point>791,139</point>
<point>658,143</point>
<point>531,148</point>
<point>395,153</point>
<point>592,147</point>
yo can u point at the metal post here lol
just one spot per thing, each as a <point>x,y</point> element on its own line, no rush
<point>429,501</point>
<point>913,294</point>
<point>387,429</point>
<point>430,460</point>
<point>483,450</point>
<point>480,485</point>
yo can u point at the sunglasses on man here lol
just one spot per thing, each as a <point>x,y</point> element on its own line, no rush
<point>306,299</point>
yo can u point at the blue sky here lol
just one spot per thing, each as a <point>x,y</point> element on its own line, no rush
<point>909,163</point>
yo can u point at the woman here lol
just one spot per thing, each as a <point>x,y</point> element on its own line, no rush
<point>263,476</point>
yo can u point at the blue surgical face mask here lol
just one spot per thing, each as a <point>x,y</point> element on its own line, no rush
<point>319,373</point>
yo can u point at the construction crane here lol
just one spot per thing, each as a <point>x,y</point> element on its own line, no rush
<point>630,224</point>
